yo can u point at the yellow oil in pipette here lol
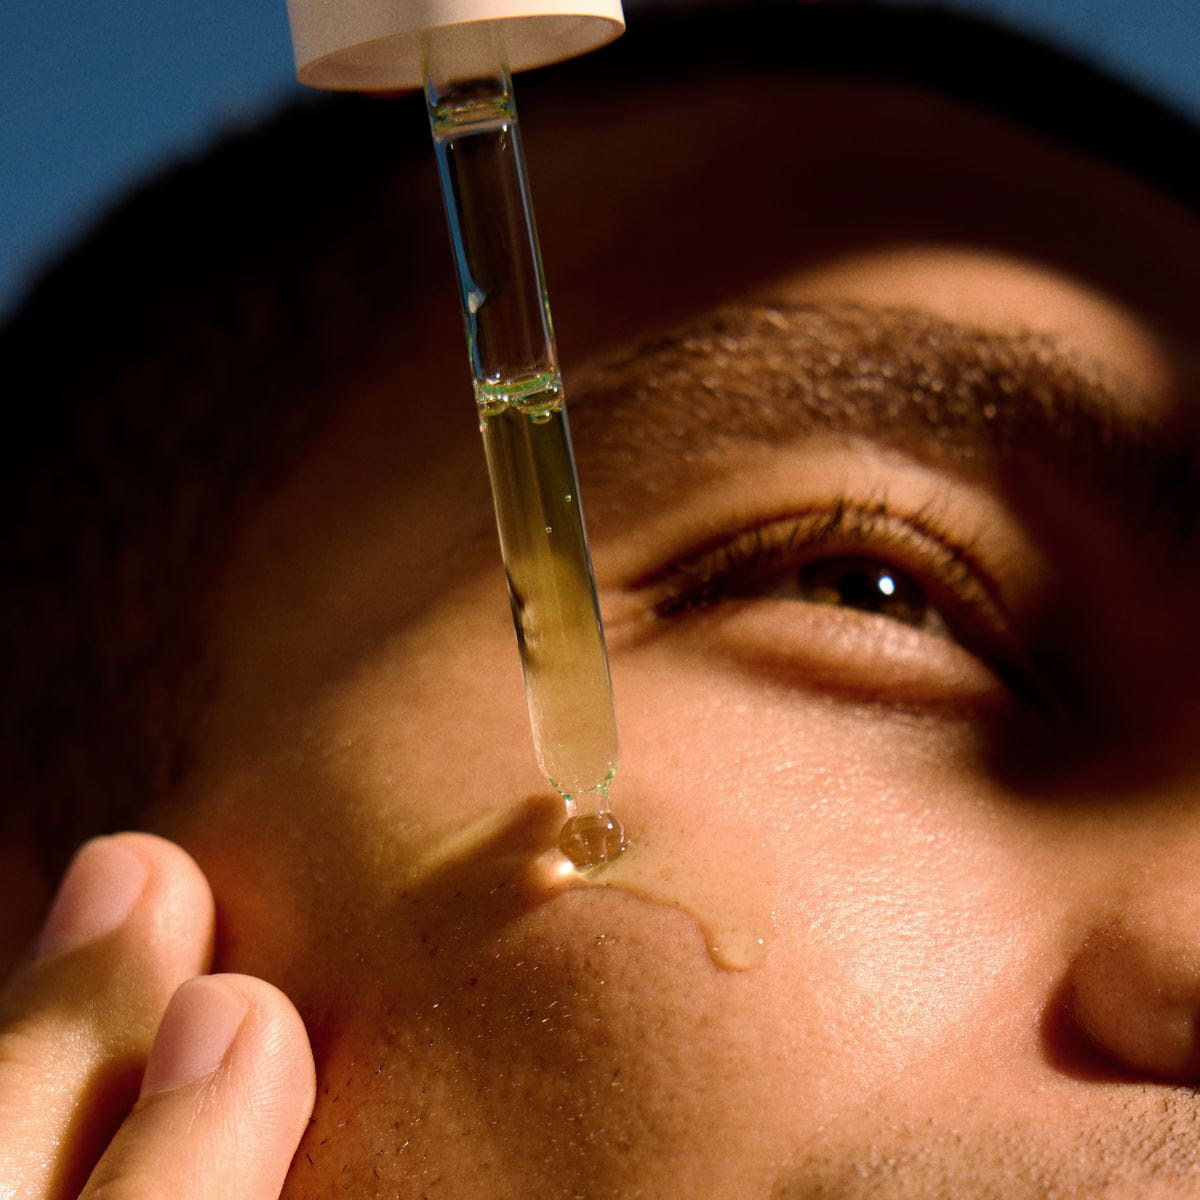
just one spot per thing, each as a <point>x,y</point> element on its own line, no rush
<point>518,392</point>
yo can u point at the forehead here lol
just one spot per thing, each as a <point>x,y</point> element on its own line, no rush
<point>656,209</point>
<point>662,204</point>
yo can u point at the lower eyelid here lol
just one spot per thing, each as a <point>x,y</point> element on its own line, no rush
<point>843,651</point>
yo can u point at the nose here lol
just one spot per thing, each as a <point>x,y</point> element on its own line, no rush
<point>1135,984</point>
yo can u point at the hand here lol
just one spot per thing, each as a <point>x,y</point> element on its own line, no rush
<point>114,1009</point>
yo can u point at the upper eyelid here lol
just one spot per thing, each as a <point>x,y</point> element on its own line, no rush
<point>844,521</point>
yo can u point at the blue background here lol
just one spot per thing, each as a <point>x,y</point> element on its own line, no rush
<point>94,96</point>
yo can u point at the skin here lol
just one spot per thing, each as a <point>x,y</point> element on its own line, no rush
<point>983,966</point>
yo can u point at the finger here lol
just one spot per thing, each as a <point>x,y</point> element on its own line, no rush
<point>132,920</point>
<point>228,1091</point>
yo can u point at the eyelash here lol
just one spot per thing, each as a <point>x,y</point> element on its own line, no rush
<point>955,584</point>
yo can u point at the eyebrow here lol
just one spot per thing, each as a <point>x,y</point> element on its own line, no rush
<point>659,419</point>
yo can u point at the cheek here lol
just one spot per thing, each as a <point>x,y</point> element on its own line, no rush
<point>312,830</point>
<point>901,881</point>
<point>456,998</point>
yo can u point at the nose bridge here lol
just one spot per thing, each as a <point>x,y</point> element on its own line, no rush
<point>1122,643</point>
<point>1164,732</point>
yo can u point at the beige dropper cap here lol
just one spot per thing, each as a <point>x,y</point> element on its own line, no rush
<point>372,45</point>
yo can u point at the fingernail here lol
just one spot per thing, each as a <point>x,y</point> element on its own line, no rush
<point>101,886</point>
<point>195,1035</point>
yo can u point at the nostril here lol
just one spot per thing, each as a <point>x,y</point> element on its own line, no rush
<point>1070,1050</point>
<point>1133,994</point>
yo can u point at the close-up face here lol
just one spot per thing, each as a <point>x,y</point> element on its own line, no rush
<point>883,411</point>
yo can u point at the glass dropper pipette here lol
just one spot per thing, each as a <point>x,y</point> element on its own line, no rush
<point>519,395</point>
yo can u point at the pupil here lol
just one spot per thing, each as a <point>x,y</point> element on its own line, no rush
<point>865,584</point>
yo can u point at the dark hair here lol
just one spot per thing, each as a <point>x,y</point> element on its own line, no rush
<point>985,65</point>
<point>171,366</point>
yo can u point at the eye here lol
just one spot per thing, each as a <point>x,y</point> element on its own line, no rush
<point>868,559</point>
<point>855,581</point>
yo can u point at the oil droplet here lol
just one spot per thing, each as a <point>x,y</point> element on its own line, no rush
<point>690,871</point>
<point>592,839</point>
